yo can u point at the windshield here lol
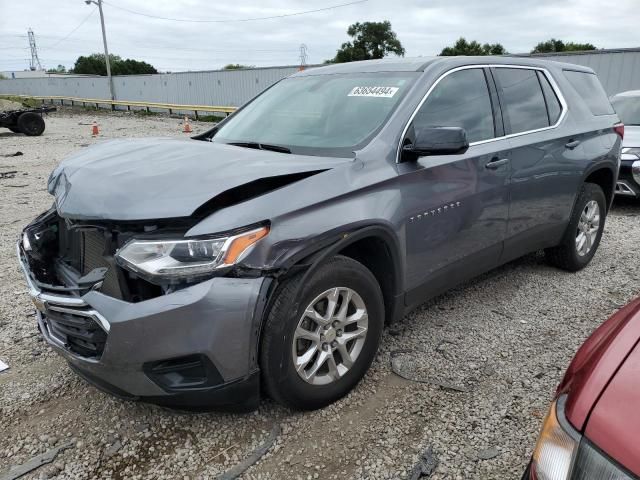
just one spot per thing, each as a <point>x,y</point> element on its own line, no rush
<point>318,114</point>
<point>628,109</point>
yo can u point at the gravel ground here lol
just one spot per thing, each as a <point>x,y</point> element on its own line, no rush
<point>495,349</point>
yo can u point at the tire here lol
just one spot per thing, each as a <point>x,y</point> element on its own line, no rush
<point>280,347</point>
<point>567,255</point>
<point>14,129</point>
<point>31,124</point>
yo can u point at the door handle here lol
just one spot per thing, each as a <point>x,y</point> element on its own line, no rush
<point>496,163</point>
<point>572,144</point>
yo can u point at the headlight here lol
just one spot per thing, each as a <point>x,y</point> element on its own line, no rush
<point>630,153</point>
<point>556,447</point>
<point>177,259</point>
<point>631,150</point>
<point>562,453</point>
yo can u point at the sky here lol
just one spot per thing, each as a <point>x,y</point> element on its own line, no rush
<point>218,32</point>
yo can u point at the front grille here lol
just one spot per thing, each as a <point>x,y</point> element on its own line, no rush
<point>79,333</point>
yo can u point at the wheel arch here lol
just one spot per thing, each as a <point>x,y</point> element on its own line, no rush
<point>375,246</point>
<point>605,177</point>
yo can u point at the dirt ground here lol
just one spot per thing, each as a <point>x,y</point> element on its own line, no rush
<point>501,341</point>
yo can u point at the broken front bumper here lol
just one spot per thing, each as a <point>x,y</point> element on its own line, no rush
<point>196,347</point>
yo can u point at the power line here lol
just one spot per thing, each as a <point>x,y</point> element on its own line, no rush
<point>74,30</point>
<point>234,20</point>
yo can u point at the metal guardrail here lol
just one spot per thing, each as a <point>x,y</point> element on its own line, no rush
<point>126,103</point>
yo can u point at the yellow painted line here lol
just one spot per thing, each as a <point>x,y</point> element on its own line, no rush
<point>133,103</point>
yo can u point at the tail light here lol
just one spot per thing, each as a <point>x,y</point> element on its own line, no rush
<point>619,129</point>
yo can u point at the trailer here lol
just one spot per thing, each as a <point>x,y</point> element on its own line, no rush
<point>27,120</point>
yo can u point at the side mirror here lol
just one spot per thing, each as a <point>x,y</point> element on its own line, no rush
<point>438,141</point>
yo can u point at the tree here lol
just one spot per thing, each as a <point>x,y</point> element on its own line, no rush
<point>370,40</point>
<point>462,47</point>
<point>94,64</point>
<point>58,69</point>
<point>236,66</point>
<point>554,45</point>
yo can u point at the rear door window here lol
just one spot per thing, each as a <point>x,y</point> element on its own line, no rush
<point>461,99</point>
<point>553,104</point>
<point>524,103</point>
<point>590,89</point>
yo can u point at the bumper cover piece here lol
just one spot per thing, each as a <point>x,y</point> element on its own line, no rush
<point>218,319</point>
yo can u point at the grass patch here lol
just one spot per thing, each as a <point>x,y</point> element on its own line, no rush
<point>27,102</point>
<point>144,113</point>
<point>210,118</point>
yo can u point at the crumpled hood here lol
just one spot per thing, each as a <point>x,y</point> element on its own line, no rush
<point>155,178</point>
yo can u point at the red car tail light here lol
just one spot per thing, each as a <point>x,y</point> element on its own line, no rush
<point>619,129</point>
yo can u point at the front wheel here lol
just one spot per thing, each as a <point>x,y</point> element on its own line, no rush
<point>321,337</point>
<point>584,232</point>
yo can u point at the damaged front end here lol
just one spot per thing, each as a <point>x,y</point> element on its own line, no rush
<point>128,261</point>
<point>73,258</point>
<point>142,311</point>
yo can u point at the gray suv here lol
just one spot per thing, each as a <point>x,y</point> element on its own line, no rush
<point>268,252</point>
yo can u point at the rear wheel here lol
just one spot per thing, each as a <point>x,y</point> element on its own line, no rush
<point>31,124</point>
<point>321,337</point>
<point>584,232</point>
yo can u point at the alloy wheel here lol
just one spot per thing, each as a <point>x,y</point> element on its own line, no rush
<point>330,336</point>
<point>588,227</point>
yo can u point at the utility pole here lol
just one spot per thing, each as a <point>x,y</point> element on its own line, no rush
<point>34,64</point>
<point>106,50</point>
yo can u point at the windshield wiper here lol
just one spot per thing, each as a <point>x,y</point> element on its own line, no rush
<point>261,146</point>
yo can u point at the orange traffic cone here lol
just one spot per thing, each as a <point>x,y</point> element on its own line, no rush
<point>94,129</point>
<point>187,126</point>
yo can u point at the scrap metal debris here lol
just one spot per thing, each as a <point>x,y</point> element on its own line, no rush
<point>240,468</point>
<point>426,465</point>
<point>36,462</point>
<point>9,174</point>
<point>3,366</point>
<point>444,385</point>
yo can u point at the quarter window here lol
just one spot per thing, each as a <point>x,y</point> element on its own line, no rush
<point>460,99</point>
<point>553,104</point>
<point>590,89</point>
<point>524,103</point>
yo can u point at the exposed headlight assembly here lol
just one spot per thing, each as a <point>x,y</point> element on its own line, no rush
<point>163,260</point>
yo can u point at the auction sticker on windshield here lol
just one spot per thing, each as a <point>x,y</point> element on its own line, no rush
<point>384,92</point>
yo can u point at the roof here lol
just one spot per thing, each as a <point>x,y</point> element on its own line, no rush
<point>392,64</point>
<point>628,93</point>
<point>579,52</point>
<point>419,64</point>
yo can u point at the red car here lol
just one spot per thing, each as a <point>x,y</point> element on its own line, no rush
<point>592,429</point>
